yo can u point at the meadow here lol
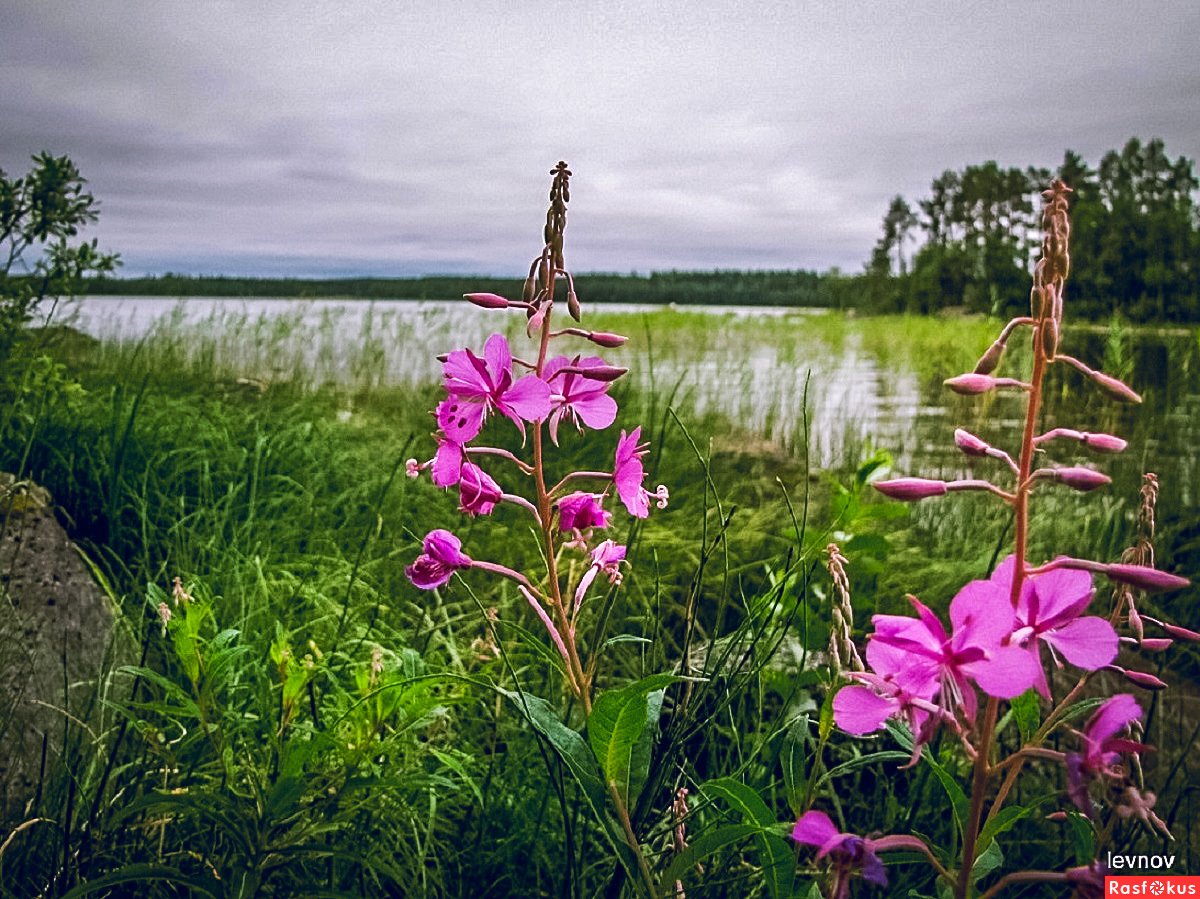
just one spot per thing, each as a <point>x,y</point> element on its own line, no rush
<point>308,723</point>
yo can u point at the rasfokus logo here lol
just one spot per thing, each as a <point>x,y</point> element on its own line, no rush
<point>1152,885</point>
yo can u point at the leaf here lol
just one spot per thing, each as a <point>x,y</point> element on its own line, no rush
<point>954,792</point>
<point>582,764</point>
<point>625,638</point>
<point>795,762</point>
<point>1003,821</point>
<point>886,755</point>
<point>621,728</point>
<point>1083,837</point>
<point>140,874</point>
<point>702,847</point>
<point>1028,713</point>
<point>775,855</point>
<point>987,862</point>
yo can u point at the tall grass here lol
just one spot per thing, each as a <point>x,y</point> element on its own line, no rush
<point>310,725</point>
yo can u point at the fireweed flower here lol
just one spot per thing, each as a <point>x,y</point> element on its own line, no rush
<point>580,511</point>
<point>477,492</point>
<point>477,387</point>
<point>442,557</point>
<point>576,397</point>
<point>1102,749</point>
<point>865,707</point>
<point>628,474</point>
<point>973,651</point>
<point>607,558</point>
<point>1050,611</point>
<point>849,852</point>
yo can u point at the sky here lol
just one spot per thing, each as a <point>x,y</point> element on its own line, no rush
<point>405,138</point>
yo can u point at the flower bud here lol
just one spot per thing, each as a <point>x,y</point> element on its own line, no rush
<point>537,319</point>
<point>607,339</point>
<point>1144,577</point>
<point>1181,633</point>
<point>1115,389</point>
<point>1143,679</point>
<point>487,300</point>
<point>598,372</point>
<point>990,359</point>
<point>1156,644</point>
<point>970,444</point>
<point>971,384</point>
<point>573,305</point>
<point>910,489</point>
<point>1082,479</point>
<point>1104,443</point>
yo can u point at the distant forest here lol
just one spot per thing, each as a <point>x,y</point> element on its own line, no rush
<point>967,246</point>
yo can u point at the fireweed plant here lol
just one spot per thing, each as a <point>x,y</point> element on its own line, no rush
<point>540,396</point>
<point>923,677</point>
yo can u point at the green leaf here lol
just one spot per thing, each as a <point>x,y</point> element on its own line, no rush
<point>625,638</point>
<point>987,862</point>
<point>702,847</point>
<point>1004,820</point>
<point>140,874</point>
<point>775,855</point>
<point>886,755</point>
<point>580,761</point>
<point>1083,837</point>
<point>1028,713</point>
<point>794,759</point>
<point>621,729</point>
<point>954,792</point>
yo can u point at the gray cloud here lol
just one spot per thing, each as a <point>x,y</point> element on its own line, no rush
<point>416,137</point>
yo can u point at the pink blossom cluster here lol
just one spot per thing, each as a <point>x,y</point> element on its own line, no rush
<point>538,396</point>
<point>567,389</point>
<point>1008,630</point>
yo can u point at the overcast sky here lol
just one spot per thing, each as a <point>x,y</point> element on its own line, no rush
<point>343,138</point>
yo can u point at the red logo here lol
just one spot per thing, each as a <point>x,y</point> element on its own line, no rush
<point>1152,885</point>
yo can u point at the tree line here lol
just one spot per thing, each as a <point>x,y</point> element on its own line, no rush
<point>970,243</point>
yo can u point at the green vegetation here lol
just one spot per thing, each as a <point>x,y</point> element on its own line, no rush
<point>1135,240</point>
<point>293,718</point>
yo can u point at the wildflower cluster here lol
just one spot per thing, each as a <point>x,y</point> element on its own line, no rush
<point>1006,630</point>
<point>538,396</point>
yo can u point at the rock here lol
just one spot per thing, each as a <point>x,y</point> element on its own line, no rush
<point>56,627</point>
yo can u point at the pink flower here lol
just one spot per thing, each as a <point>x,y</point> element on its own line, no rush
<point>477,492</point>
<point>628,474</point>
<point>864,709</point>
<point>917,650</point>
<point>607,558</point>
<point>576,397</point>
<point>1102,748</point>
<point>477,387</point>
<point>446,468</point>
<point>580,511</point>
<point>847,851</point>
<point>442,556</point>
<point>1049,611</point>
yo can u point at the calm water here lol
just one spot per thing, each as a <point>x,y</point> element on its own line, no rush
<point>755,367</point>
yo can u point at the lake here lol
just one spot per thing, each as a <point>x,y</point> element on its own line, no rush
<point>862,382</point>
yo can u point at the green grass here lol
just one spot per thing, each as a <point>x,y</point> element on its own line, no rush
<point>252,750</point>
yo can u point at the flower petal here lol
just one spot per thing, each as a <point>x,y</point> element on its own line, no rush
<point>1089,643</point>
<point>860,710</point>
<point>461,420</point>
<point>814,829</point>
